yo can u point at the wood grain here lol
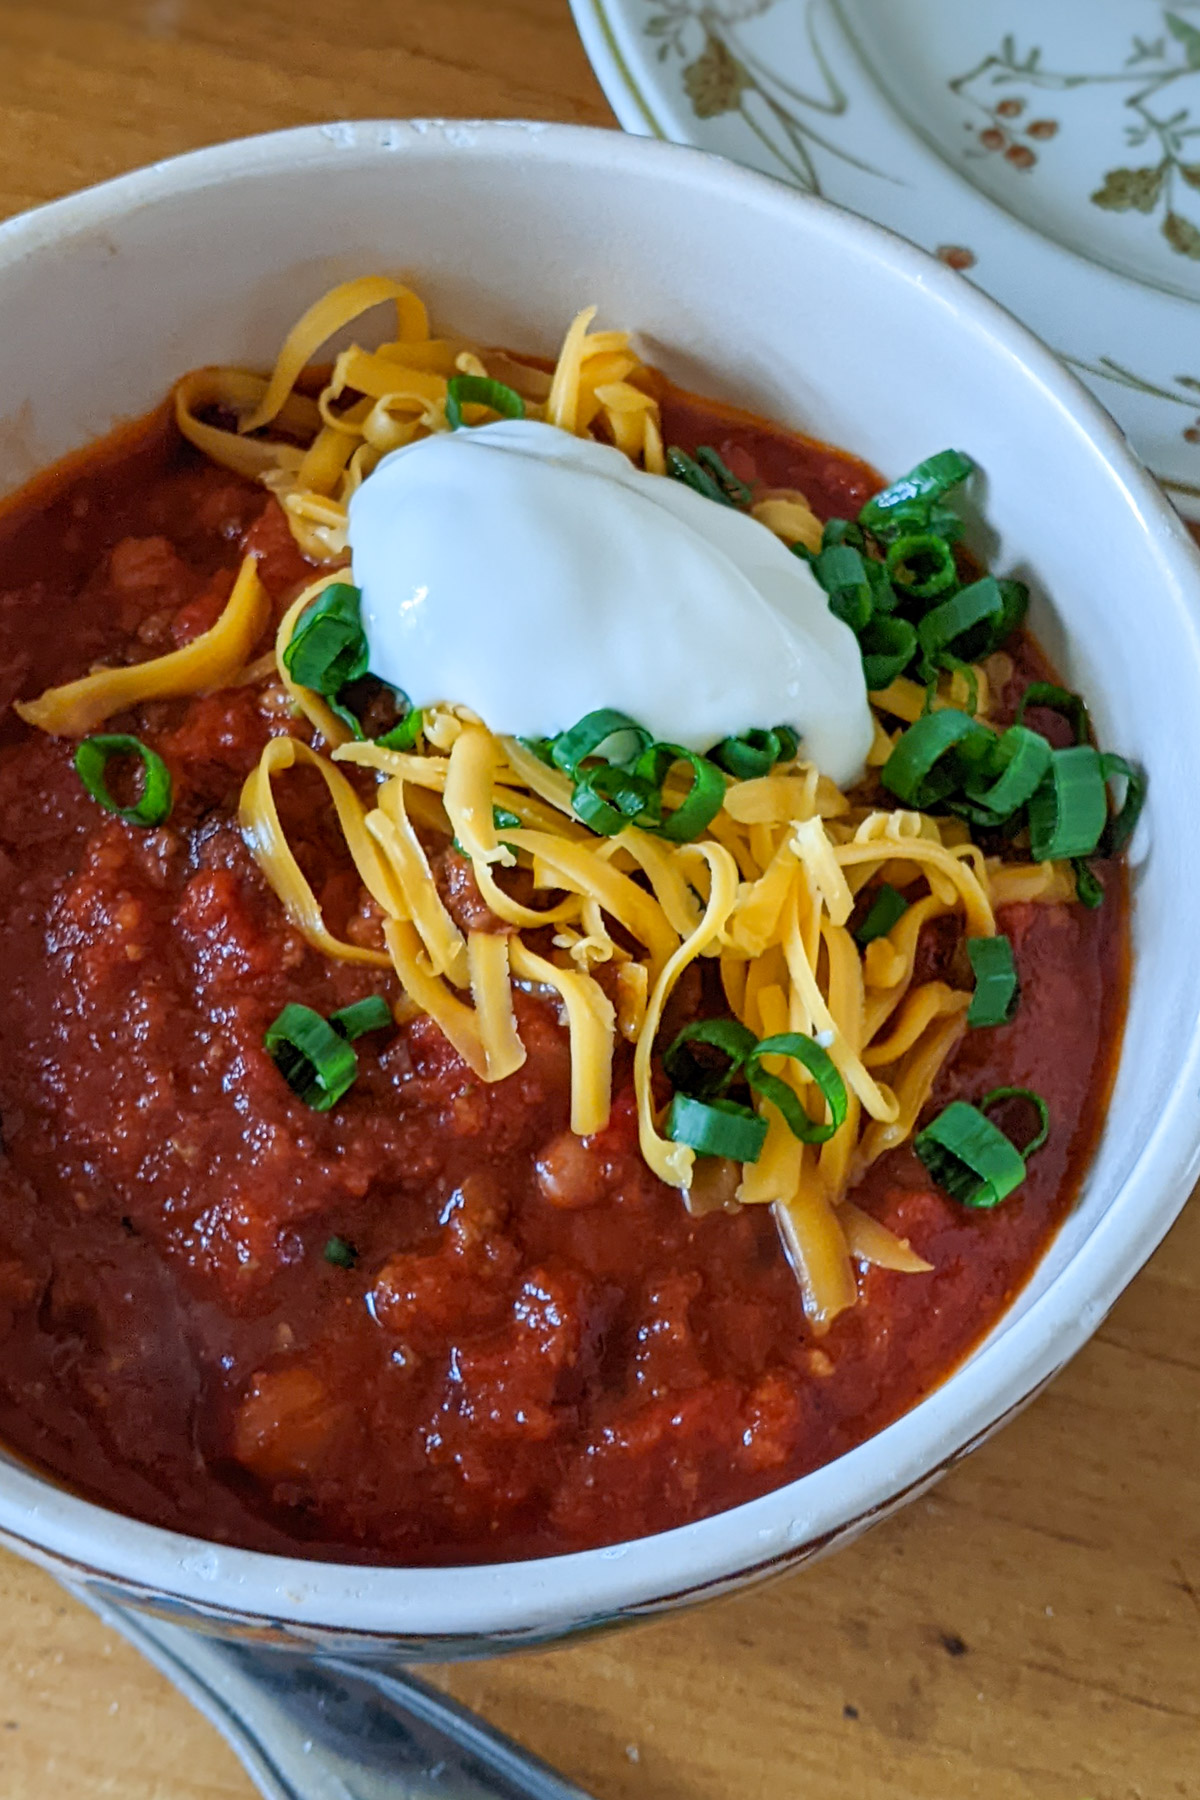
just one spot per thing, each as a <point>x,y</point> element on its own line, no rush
<point>1032,1630</point>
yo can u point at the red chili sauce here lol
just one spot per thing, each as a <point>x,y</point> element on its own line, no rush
<point>538,1349</point>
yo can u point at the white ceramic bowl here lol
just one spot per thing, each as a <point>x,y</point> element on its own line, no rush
<point>743,289</point>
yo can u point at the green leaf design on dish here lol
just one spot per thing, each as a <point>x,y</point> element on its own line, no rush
<point>1188,36</point>
<point>716,81</point>
<point>1182,235</point>
<point>1127,190</point>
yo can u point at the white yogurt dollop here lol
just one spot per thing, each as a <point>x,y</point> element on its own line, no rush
<point>534,577</point>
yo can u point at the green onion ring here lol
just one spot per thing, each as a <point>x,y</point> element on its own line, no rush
<point>585,739</point>
<point>91,763</point>
<point>328,646</point>
<point>371,1014</point>
<point>1123,823</point>
<point>913,496</point>
<point>704,801</point>
<point>750,756</point>
<point>716,1128</point>
<point>824,1072</point>
<point>316,1061</point>
<point>1019,760</point>
<point>1069,811</point>
<point>888,645</point>
<point>968,1156</point>
<point>1035,1100</point>
<point>912,770</point>
<point>887,909</point>
<point>946,623</point>
<point>996,988</point>
<point>480,390</point>
<point>733,487</point>
<point>1067,705</point>
<point>610,797</point>
<point>685,468</point>
<point>926,545</point>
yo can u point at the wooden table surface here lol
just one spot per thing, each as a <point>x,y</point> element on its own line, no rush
<point>1030,1632</point>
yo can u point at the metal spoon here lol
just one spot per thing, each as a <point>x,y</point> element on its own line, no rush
<point>318,1728</point>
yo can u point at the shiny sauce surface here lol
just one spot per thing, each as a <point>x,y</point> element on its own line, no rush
<point>537,1349</point>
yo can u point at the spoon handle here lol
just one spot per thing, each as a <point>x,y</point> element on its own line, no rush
<point>319,1728</point>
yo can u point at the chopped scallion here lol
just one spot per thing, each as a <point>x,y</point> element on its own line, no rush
<point>480,390</point>
<point>328,648</point>
<point>92,757</point>
<point>910,502</point>
<point>1069,811</point>
<point>928,760</point>
<point>824,1072</point>
<point>716,1128</point>
<point>996,990</point>
<point>887,909</point>
<point>704,800</point>
<point>316,1061</point>
<point>371,1014</point>
<point>604,729</point>
<point>341,1253</point>
<point>921,564</point>
<point>1069,706</point>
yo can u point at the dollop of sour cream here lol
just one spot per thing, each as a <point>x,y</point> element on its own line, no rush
<point>533,577</point>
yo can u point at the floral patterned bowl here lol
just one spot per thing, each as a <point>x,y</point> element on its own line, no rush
<point>1050,150</point>
<point>746,289</point>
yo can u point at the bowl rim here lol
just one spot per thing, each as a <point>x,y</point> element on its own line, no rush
<point>524,1600</point>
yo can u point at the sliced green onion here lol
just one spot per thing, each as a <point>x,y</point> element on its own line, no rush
<point>593,731</point>
<point>610,797</point>
<point>926,762</point>
<point>716,1128</point>
<point>315,1060</point>
<point>996,990</point>
<point>888,645</point>
<point>970,1157</point>
<point>841,571</point>
<point>704,800</point>
<point>340,1253</point>
<point>971,606</point>
<point>328,648</point>
<point>1069,706</point>
<point>734,489</point>
<point>685,468</point>
<point>1068,813</point>
<point>91,765</point>
<point>887,909</point>
<point>1089,891</point>
<point>404,735</point>
<point>913,497</point>
<point>480,390</point>
<point>1019,760</point>
<point>921,551</point>
<point>1039,1106</point>
<point>1015,597</point>
<point>821,1067</point>
<point>371,1014</point>
<point>842,531</point>
<point>755,753</point>
<point>1122,824</point>
<point>735,1042</point>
